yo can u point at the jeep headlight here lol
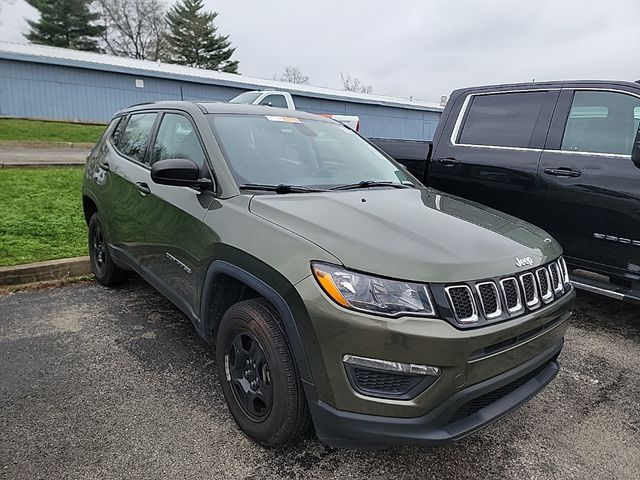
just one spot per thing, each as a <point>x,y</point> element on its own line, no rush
<point>373,294</point>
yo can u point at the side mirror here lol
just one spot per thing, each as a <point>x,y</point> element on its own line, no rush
<point>179,172</point>
<point>635,153</point>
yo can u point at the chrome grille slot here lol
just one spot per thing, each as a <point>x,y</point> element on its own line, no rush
<point>463,304</point>
<point>489,299</point>
<point>564,270</point>
<point>544,282</point>
<point>530,292</point>
<point>512,295</point>
<point>556,280</point>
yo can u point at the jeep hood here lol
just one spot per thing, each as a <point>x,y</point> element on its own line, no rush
<point>412,234</point>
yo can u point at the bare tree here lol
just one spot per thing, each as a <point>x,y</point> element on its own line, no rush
<point>134,28</point>
<point>294,75</point>
<point>353,84</point>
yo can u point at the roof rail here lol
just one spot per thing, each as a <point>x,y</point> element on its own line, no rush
<point>141,103</point>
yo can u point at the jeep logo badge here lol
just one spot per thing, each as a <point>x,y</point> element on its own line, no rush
<point>524,262</point>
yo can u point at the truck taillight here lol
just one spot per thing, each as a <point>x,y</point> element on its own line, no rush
<point>358,126</point>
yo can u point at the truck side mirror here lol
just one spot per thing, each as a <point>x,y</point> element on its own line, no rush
<point>635,153</point>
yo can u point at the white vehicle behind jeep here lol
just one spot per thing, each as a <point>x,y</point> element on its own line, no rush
<point>276,98</point>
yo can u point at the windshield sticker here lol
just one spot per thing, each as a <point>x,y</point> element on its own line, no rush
<point>274,118</point>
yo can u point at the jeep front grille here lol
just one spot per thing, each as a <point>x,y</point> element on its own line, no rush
<point>500,299</point>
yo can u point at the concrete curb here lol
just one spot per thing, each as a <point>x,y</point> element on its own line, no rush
<point>47,145</point>
<point>43,271</point>
<point>70,163</point>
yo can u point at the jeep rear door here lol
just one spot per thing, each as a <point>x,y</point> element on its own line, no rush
<point>588,194</point>
<point>490,147</point>
<point>126,168</point>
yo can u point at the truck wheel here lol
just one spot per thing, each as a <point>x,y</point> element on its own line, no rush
<point>104,269</point>
<point>258,376</point>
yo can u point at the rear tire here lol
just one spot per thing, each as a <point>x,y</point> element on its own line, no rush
<point>258,376</point>
<point>103,267</point>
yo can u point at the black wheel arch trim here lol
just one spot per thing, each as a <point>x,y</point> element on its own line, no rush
<point>218,267</point>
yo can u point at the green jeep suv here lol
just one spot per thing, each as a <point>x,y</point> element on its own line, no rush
<point>337,290</point>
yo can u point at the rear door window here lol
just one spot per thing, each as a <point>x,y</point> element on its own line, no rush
<point>134,138</point>
<point>503,119</point>
<point>601,122</point>
<point>275,101</point>
<point>177,138</point>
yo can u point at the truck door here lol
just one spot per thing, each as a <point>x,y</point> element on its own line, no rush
<point>490,151</point>
<point>589,188</point>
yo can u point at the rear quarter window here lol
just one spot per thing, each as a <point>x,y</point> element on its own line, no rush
<point>502,119</point>
<point>116,133</point>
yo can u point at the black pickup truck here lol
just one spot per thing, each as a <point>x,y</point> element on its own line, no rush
<point>562,155</point>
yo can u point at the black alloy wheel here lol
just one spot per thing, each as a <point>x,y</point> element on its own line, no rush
<point>258,375</point>
<point>102,265</point>
<point>247,370</point>
<point>98,250</point>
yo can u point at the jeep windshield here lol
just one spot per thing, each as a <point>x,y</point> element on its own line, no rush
<point>285,154</point>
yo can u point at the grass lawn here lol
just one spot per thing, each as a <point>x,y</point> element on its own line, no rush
<point>38,131</point>
<point>41,215</point>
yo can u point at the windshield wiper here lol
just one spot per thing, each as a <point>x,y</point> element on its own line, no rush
<point>280,188</point>
<point>372,183</point>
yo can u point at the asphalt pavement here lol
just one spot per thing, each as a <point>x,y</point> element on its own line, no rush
<point>114,383</point>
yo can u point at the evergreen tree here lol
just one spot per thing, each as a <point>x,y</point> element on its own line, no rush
<point>65,23</point>
<point>193,40</point>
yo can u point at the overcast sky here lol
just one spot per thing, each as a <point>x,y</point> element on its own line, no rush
<point>421,48</point>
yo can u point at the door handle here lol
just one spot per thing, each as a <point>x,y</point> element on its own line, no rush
<point>143,188</point>
<point>448,161</point>
<point>562,172</point>
<point>105,166</point>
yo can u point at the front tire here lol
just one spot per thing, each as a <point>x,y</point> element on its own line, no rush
<point>103,267</point>
<point>258,376</point>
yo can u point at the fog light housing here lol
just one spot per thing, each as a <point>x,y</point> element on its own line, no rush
<point>386,379</point>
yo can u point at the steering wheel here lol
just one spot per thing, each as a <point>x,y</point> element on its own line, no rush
<point>327,169</point>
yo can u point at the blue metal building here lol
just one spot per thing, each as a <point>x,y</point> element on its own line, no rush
<point>55,83</point>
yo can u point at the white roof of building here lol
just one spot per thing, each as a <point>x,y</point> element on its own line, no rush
<point>98,61</point>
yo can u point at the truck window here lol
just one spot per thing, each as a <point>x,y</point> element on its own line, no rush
<point>177,139</point>
<point>133,142</point>
<point>502,120</point>
<point>275,101</point>
<point>601,122</point>
<point>246,97</point>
